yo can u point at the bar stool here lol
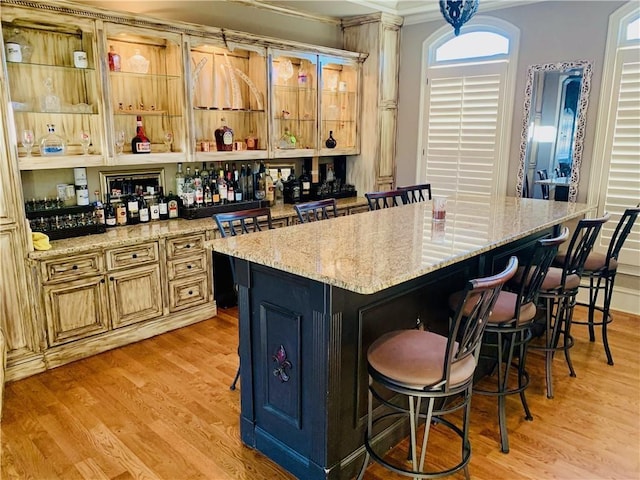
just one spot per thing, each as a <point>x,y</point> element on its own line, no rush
<point>317,210</point>
<point>417,193</point>
<point>388,199</point>
<point>238,223</point>
<point>419,364</point>
<point>558,295</point>
<point>508,330</point>
<point>601,269</point>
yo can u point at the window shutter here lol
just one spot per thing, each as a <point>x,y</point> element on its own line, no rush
<point>464,111</point>
<point>623,184</point>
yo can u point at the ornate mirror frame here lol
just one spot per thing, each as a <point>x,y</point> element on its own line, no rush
<point>581,117</point>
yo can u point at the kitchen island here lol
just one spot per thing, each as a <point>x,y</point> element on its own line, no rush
<point>313,297</point>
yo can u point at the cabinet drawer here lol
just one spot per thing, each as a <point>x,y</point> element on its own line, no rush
<point>188,293</point>
<point>132,256</point>
<point>182,246</point>
<point>69,268</point>
<point>186,267</point>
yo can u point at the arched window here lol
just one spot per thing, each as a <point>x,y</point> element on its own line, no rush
<point>466,107</point>
<point>615,178</point>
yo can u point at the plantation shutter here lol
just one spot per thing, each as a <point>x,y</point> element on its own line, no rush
<point>464,108</point>
<point>623,183</point>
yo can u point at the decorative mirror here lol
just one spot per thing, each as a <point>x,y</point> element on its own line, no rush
<point>555,111</point>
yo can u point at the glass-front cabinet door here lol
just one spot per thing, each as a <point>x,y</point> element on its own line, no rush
<point>145,91</point>
<point>228,97</point>
<point>294,100</point>
<point>54,89</point>
<point>339,106</point>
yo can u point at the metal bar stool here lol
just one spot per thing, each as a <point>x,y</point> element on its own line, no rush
<point>388,199</point>
<point>418,365</point>
<point>558,295</point>
<point>417,193</point>
<point>317,210</point>
<point>508,331</point>
<point>238,223</point>
<point>601,269</point>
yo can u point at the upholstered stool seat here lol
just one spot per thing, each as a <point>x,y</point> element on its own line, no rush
<point>415,358</point>
<point>408,366</point>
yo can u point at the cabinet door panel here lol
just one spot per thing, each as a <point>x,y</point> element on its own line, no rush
<point>135,295</point>
<point>75,310</point>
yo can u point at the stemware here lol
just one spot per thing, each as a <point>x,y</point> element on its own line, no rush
<point>28,139</point>
<point>168,140</point>
<point>119,142</point>
<point>85,141</point>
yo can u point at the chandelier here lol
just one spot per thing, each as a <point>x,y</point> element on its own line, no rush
<point>458,12</point>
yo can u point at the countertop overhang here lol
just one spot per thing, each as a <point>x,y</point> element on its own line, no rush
<point>369,252</point>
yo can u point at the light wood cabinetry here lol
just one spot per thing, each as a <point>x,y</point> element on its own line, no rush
<point>379,34</point>
<point>187,271</point>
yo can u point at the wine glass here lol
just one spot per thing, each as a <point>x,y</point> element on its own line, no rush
<point>119,142</point>
<point>168,140</point>
<point>28,139</point>
<point>85,141</point>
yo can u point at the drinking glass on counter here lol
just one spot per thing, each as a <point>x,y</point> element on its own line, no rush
<point>439,209</point>
<point>119,142</point>
<point>85,141</point>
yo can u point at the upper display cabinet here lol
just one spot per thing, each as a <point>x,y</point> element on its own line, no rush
<point>55,89</point>
<point>145,88</point>
<point>228,93</point>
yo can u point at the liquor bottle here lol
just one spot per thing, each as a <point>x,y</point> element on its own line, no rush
<point>279,189</point>
<point>143,207</point>
<point>98,208</point>
<point>293,187</point>
<point>109,213</point>
<point>215,195</point>
<point>269,188</point>
<point>154,209</point>
<point>52,143</point>
<point>133,210</point>
<point>305,186</point>
<point>140,143</point>
<point>173,206</point>
<point>222,187</point>
<point>121,214</point>
<point>208,196</point>
<point>224,137</point>
<point>204,173</point>
<point>163,207</point>
<point>237,190</point>
<point>179,181</point>
<point>114,60</point>
<point>231,195</point>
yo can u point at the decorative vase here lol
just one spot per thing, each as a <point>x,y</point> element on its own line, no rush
<point>331,142</point>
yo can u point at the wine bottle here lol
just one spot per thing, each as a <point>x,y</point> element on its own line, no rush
<point>143,207</point>
<point>133,210</point>
<point>154,209</point>
<point>231,196</point>
<point>222,187</point>
<point>109,213</point>
<point>215,195</point>
<point>98,209</point>
<point>140,143</point>
<point>163,207</point>
<point>305,186</point>
<point>121,214</point>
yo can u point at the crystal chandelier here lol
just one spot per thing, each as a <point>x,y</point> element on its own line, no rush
<point>458,12</point>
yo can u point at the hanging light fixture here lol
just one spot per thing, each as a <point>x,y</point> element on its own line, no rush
<point>458,12</point>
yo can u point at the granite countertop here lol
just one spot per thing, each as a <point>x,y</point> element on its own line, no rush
<point>129,235</point>
<point>372,251</point>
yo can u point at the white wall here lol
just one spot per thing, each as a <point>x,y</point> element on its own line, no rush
<point>549,32</point>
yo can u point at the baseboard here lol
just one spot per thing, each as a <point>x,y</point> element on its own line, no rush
<point>624,299</point>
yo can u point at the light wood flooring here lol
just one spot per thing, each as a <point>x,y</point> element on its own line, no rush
<point>162,409</point>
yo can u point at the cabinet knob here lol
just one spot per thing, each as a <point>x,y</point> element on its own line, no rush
<point>75,267</point>
<point>190,292</point>
<point>188,267</point>
<point>102,281</point>
<point>187,246</point>
<point>111,278</point>
<point>135,255</point>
